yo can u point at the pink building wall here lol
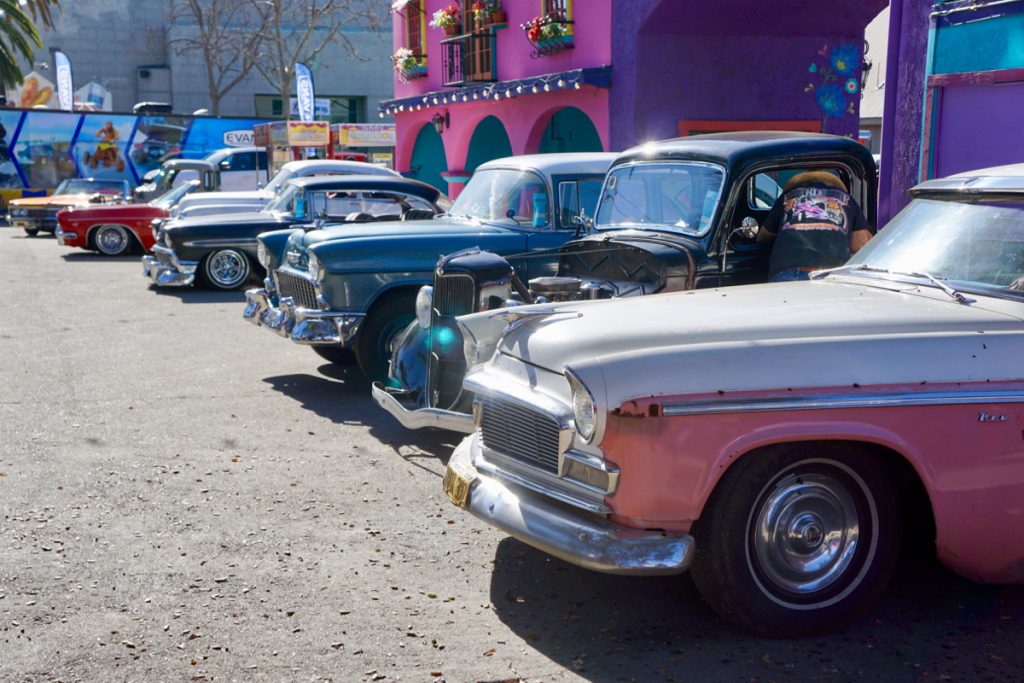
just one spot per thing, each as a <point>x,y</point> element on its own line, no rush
<point>525,116</point>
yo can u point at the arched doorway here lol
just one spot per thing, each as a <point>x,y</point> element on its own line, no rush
<point>489,141</point>
<point>428,161</point>
<point>570,130</point>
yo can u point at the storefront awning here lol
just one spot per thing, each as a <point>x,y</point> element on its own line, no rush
<point>598,77</point>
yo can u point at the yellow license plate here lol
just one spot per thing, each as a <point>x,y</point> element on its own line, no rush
<point>458,482</point>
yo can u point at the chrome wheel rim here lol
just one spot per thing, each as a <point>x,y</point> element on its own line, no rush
<point>805,533</point>
<point>111,240</point>
<point>227,268</point>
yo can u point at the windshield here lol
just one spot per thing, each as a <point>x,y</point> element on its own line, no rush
<point>678,196</point>
<point>505,195</point>
<point>970,245</point>
<point>283,201</point>
<point>157,178</point>
<point>278,181</point>
<point>108,187</point>
<point>169,199</point>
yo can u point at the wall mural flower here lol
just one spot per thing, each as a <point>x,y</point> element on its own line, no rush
<point>834,80</point>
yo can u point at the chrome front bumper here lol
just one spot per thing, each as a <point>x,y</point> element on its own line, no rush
<point>176,273</point>
<point>571,534</point>
<point>418,418</point>
<point>32,223</point>
<point>306,326</point>
<point>63,236</point>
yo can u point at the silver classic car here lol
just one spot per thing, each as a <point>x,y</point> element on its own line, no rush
<point>776,440</point>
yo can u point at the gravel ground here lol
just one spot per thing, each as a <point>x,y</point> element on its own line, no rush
<point>184,497</point>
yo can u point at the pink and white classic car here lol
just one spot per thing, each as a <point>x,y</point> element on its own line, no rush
<point>777,440</point>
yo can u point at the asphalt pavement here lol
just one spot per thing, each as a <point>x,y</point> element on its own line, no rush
<point>185,497</point>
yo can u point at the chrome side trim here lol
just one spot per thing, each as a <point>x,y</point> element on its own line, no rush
<point>935,398</point>
<point>582,538</point>
<point>237,242</point>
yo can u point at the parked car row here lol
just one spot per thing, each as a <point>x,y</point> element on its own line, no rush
<point>636,399</point>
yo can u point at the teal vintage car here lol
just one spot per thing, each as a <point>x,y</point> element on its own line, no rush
<point>350,291</point>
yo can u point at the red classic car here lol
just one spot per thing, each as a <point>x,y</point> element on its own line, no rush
<point>116,229</point>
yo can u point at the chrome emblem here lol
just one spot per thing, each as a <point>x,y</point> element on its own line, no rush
<point>292,258</point>
<point>986,417</point>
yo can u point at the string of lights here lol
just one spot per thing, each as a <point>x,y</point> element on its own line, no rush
<point>533,85</point>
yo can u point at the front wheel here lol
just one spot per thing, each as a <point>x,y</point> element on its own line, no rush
<point>379,332</point>
<point>31,232</point>
<point>798,539</point>
<point>226,269</point>
<point>112,240</point>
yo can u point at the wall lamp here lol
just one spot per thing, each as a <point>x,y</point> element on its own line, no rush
<point>441,122</point>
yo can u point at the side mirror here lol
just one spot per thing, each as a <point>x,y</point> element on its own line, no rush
<point>582,223</point>
<point>748,230</point>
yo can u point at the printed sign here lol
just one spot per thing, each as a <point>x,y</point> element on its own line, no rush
<point>65,91</point>
<point>365,134</point>
<point>239,138</point>
<point>304,92</point>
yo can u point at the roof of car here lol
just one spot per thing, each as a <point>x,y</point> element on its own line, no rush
<point>337,165</point>
<point>219,154</point>
<point>596,163</point>
<point>367,182</point>
<point>189,163</point>
<point>744,147</point>
<point>996,180</point>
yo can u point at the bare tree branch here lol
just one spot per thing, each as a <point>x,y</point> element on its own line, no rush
<point>299,30</point>
<point>228,34</point>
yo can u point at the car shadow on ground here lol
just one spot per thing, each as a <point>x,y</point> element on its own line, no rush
<point>930,625</point>
<point>198,295</point>
<point>341,394</point>
<point>87,256</point>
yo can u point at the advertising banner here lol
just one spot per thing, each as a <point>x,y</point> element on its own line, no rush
<point>304,92</point>
<point>65,90</point>
<point>101,148</point>
<point>365,134</point>
<point>35,91</point>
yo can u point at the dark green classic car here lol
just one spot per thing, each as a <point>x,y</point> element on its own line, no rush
<point>353,289</point>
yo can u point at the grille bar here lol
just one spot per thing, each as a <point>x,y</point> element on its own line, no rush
<point>300,289</point>
<point>454,295</point>
<point>521,433</point>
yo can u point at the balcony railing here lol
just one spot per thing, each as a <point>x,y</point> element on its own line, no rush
<point>469,58</point>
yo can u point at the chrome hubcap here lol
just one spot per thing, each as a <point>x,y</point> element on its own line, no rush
<point>228,267</point>
<point>805,533</point>
<point>111,240</point>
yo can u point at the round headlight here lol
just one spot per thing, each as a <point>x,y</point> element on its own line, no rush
<point>584,412</point>
<point>424,306</point>
<point>314,267</point>
<point>262,256</point>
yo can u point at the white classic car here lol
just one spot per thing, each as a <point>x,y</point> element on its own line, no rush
<point>254,200</point>
<point>773,439</point>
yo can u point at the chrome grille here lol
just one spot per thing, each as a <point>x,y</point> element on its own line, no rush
<point>454,295</point>
<point>299,288</point>
<point>520,433</point>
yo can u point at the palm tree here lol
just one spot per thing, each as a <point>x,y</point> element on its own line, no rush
<point>19,35</point>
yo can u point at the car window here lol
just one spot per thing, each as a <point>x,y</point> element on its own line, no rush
<point>505,195</point>
<point>568,201</point>
<point>764,188</point>
<point>245,161</point>
<point>661,195</point>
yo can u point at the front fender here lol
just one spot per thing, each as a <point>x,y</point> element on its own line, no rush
<point>275,243</point>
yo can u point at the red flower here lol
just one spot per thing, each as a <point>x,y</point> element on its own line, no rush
<point>533,33</point>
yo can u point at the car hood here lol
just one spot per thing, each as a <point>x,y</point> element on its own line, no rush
<point>739,324</point>
<point>228,219</point>
<point>359,231</point>
<point>52,200</point>
<point>236,197</point>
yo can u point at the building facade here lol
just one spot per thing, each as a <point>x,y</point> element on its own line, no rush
<point>569,75</point>
<point>954,93</point>
<point>125,47</point>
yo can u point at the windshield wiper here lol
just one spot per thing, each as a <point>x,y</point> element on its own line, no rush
<point>953,294</point>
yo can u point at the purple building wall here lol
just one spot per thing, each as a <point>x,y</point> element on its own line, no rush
<point>904,104</point>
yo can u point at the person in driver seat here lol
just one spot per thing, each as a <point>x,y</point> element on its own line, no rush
<point>814,224</point>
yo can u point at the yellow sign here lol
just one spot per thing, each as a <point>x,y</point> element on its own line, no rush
<point>300,134</point>
<point>365,134</point>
